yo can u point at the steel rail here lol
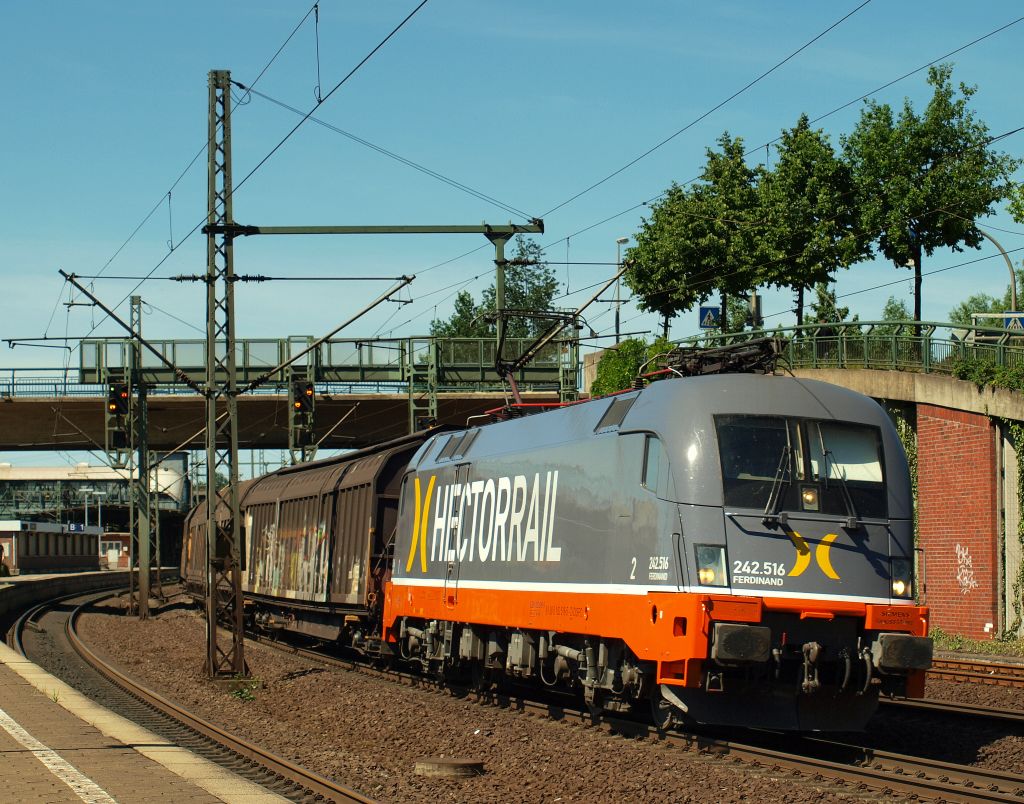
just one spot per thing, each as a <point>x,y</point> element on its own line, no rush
<point>318,785</point>
<point>956,708</point>
<point>983,672</point>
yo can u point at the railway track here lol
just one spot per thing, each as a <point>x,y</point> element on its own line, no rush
<point>857,767</point>
<point>979,672</point>
<point>105,684</point>
<point>1015,716</point>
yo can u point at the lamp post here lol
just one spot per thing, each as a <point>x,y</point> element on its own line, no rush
<point>87,492</point>
<point>619,243</point>
<point>1009,264</point>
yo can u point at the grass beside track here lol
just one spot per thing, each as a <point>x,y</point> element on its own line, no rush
<point>945,641</point>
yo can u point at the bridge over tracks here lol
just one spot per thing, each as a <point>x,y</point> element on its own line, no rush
<point>367,390</point>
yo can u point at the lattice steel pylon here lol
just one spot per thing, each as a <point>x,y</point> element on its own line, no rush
<point>224,607</point>
<point>141,511</point>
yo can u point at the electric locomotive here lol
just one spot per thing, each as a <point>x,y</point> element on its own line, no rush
<point>731,549</point>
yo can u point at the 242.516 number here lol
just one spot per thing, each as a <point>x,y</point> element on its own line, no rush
<point>758,568</point>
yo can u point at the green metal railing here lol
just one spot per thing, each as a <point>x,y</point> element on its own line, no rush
<point>925,346</point>
<point>448,363</point>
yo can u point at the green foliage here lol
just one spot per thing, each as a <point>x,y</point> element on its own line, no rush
<point>902,417</point>
<point>529,286</point>
<point>825,309</point>
<point>895,310</point>
<point>699,239</point>
<point>988,373</point>
<point>1003,646</point>
<point>244,689</point>
<point>1016,205</point>
<point>983,303</point>
<point>1016,596</point>
<point>619,364</point>
<point>810,226</point>
<point>466,321</point>
<point>921,180</point>
<point>738,313</point>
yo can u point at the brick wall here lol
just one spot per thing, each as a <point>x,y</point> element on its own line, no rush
<point>958,520</point>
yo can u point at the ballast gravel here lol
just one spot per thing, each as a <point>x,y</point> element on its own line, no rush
<point>368,733</point>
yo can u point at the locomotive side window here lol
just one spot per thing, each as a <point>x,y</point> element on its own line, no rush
<point>652,463</point>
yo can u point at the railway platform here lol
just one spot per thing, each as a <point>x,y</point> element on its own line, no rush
<point>58,746</point>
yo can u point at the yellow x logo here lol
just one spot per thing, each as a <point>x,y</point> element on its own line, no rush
<point>419,526</point>
<point>821,553</point>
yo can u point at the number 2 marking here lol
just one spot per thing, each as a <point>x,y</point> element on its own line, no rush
<point>632,572</point>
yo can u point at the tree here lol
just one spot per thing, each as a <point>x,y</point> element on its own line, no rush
<point>810,224</point>
<point>825,308</point>
<point>530,284</point>
<point>466,320</point>
<point>619,364</point>
<point>983,303</point>
<point>699,239</point>
<point>894,310</point>
<point>921,180</point>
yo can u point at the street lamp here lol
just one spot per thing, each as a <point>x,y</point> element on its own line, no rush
<point>87,492</point>
<point>1009,264</point>
<point>619,243</point>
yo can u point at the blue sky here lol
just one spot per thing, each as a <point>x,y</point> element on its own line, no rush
<point>529,103</point>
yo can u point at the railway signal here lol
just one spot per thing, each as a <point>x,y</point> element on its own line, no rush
<point>119,397</point>
<point>303,397</point>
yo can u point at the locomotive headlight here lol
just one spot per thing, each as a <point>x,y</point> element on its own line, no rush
<point>902,574</point>
<point>809,498</point>
<point>711,565</point>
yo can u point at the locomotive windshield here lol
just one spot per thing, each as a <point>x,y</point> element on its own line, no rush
<point>788,464</point>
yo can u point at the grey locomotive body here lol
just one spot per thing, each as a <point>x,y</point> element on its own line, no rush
<point>735,548</point>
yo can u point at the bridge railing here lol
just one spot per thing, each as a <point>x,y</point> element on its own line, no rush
<point>350,365</point>
<point>925,346</point>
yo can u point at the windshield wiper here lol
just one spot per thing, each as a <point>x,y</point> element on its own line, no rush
<point>783,477</point>
<point>852,517</point>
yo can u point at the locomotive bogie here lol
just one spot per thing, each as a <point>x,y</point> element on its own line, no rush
<point>604,669</point>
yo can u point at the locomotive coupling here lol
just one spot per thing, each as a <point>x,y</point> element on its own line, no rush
<point>898,652</point>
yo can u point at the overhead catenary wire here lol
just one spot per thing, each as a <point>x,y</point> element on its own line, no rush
<point>872,234</point>
<point>709,112</point>
<point>819,118</point>
<point>401,159</point>
<point>273,150</point>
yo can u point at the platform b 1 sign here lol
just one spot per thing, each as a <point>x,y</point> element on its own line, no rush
<point>710,317</point>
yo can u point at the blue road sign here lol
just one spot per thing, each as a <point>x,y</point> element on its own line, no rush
<point>1013,320</point>
<point>710,317</point>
